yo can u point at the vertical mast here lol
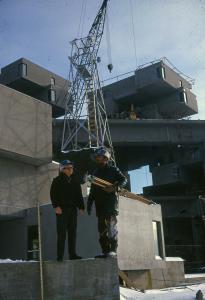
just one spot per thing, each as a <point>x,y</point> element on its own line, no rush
<point>85,117</point>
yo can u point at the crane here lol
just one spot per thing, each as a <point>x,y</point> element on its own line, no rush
<point>85,112</point>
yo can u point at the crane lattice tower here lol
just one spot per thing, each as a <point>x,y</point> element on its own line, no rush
<point>85,108</point>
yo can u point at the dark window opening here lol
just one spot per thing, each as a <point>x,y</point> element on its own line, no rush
<point>52,81</point>
<point>161,72</point>
<point>52,95</point>
<point>183,97</point>
<point>22,69</point>
<point>33,243</point>
<point>157,234</point>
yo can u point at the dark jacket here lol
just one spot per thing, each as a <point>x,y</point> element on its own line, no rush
<point>106,203</point>
<point>66,192</point>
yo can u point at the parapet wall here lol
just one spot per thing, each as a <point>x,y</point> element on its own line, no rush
<point>93,279</point>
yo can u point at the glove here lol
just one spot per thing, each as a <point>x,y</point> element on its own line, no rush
<point>110,189</point>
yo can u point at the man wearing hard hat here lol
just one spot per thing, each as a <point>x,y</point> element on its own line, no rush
<point>66,198</point>
<point>106,202</point>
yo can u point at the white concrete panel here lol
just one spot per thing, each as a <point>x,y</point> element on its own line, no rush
<point>22,185</point>
<point>136,239</point>
<point>25,127</point>
<point>45,175</point>
<point>17,186</point>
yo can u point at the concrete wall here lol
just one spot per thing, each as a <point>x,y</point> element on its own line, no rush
<point>136,239</point>
<point>129,133</point>
<point>21,185</point>
<point>148,75</point>
<point>26,127</point>
<point>169,173</point>
<point>44,178</point>
<point>171,275</point>
<point>71,280</point>
<point>156,132</point>
<point>171,106</point>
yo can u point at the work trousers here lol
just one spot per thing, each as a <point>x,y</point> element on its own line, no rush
<point>107,228</point>
<point>66,223</point>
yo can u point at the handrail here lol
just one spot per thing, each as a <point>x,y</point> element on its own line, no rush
<point>162,59</point>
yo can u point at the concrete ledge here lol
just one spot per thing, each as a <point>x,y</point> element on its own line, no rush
<point>195,278</point>
<point>91,279</point>
<point>158,278</point>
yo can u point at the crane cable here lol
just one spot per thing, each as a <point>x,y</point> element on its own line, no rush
<point>82,18</point>
<point>133,32</point>
<point>109,53</point>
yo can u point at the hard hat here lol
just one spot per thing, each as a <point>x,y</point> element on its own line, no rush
<point>102,152</point>
<point>65,162</point>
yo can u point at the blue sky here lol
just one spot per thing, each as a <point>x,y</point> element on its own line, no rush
<point>40,30</point>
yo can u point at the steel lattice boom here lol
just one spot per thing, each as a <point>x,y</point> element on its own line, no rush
<point>85,115</point>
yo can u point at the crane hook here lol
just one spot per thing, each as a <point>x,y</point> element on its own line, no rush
<point>110,67</point>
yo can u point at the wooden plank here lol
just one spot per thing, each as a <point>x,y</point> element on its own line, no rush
<point>123,192</point>
<point>124,277</point>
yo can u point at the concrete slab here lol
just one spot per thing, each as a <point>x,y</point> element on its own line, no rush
<point>25,127</point>
<point>94,279</point>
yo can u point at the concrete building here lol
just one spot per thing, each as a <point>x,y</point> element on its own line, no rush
<point>25,150</point>
<point>141,243</point>
<point>173,148</point>
<point>148,112</point>
<point>26,172</point>
<point>35,81</point>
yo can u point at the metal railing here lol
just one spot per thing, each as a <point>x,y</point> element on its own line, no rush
<point>162,59</point>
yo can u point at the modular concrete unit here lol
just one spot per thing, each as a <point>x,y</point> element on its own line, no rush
<point>26,128</point>
<point>26,168</point>
<point>156,91</point>
<point>71,280</point>
<point>22,185</point>
<point>137,244</point>
<point>33,80</point>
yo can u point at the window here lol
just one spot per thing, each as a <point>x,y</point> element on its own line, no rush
<point>175,172</point>
<point>157,235</point>
<point>22,69</point>
<point>183,96</point>
<point>52,81</point>
<point>52,95</point>
<point>161,72</point>
<point>33,244</point>
<point>180,83</point>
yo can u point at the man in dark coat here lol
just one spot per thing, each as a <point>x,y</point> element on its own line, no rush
<point>66,197</point>
<point>106,202</point>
